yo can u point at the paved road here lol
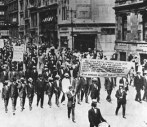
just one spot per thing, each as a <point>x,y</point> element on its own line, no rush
<point>136,113</point>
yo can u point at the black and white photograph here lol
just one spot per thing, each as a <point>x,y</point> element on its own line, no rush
<point>73,63</point>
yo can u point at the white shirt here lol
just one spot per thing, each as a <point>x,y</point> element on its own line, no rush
<point>65,85</point>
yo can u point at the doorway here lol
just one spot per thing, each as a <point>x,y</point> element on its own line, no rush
<point>122,56</point>
<point>84,41</point>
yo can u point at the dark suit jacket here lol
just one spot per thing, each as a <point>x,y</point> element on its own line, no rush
<point>49,88</point>
<point>40,85</point>
<point>71,100</point>
<point>34,75</point>
<point>6,92</point>
<point>57,88</point>
<point>108,84</point>
<point>95,118</point>
<point>4,76</point>
<point>14,90</point>
<point>30,91</point>
<point>138,83</point>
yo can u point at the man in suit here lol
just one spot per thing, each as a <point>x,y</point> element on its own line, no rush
<point>145,86</point>
<point>108,86</point>
<point>14,94</point>
<point>22,93</point>
<point>40,86</point>
<point>34,76</point>
<point>121,99</point>
<point>84,88</point>
<point>77,87</point>
<point>95,89</point>
<point>94,115</point>
<point>71,103</point>
<point>50,90</point>
<point>30,92</point>
<point>6,94</point>
<point>12,73</point>
<point>138,83</point>
<point>57,88</point>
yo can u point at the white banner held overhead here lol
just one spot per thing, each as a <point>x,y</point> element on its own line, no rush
<point>104,68</point>
<point>18,53</point>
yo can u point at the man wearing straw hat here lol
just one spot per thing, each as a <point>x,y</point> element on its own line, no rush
<point>145,86</point>
<point>94,115</point>
<point>121,99</point>
<point>138,83</point>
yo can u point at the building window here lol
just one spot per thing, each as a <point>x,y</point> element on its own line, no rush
<point>64,13</point>
<point>145,27</point>
<point>124,28</point>
<point>34,19</point>
<point>108,31</point>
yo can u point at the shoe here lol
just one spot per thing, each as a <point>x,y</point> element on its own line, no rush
<point>79,103</point>
<point>140,101</point>
<point>74,121</point>
<point>116,113</point>
<point>41,106</point>
<point>13,113</point>
<point>30,108</point>
<point>124,117</point>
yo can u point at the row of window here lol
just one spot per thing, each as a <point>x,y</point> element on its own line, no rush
<point>129,30</point>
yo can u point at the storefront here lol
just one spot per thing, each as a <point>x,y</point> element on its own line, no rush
<point>48,27</point>
<point>82,39</point>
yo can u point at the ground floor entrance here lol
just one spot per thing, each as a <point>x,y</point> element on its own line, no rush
<point>122,56</point>
<point>84,41</point>
<point>142,57</point>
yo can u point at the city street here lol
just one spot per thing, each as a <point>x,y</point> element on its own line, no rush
<point>136,113</point>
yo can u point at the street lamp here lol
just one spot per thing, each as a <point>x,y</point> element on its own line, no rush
<point>72,23</point>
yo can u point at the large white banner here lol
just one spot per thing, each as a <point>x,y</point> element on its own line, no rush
<point>104,68</point>
<point>18,53</point>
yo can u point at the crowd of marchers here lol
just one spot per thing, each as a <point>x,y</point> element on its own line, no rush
<point>60,76</point>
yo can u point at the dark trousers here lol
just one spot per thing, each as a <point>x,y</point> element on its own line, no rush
<point>109,95</point>
<point>123,108</point>
<point>145,95</point>
<point>50,98</point>
<point>84,91</point>
<point>57,94</point>
<point>22,102</point>
<point>78,96</point>
<point>31,101</point>
<point>14,101</point>
<point>138,95</point>
<point>40,97</point>
<point>91,125</point>
<point>6,101</point>
<point>71,109</point>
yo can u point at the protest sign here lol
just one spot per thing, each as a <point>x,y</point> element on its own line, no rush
<point>18,53</point>
<point>104,68</point>
<point>1,43</point>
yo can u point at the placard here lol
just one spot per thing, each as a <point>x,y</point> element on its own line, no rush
<point>104,68</point>
<point>18,53</point>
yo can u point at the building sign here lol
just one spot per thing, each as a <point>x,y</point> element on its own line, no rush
<point>141,47</point>
<point>122,46</point>
<point>104,68</point>
<point>84,29</point>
